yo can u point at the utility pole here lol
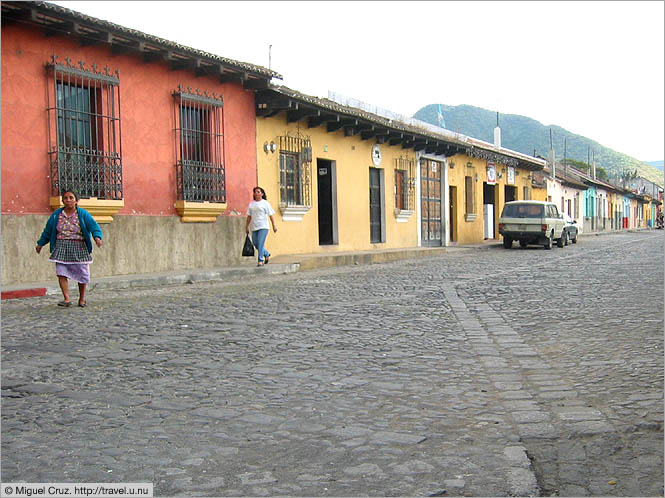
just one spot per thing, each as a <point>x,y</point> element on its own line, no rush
<point>565,166</point>
<point>553,166</point>
<point>269,57</point>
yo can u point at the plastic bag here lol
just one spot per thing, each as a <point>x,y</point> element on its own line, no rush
<point>248,248</point>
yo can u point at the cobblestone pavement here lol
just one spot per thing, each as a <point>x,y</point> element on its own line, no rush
<point>478,373</point>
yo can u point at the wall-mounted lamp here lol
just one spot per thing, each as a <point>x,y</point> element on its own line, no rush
<point>499,175</point>
<point>451,164</point>
<point>269,147</point>
<point>469,164</point>
<point>476,176</point>
<point>503,170</point>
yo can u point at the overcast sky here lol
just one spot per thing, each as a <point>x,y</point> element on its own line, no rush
<point>594,68</point>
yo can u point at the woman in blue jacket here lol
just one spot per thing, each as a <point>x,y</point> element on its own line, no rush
<point>69,232</point>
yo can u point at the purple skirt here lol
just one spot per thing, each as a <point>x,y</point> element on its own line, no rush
<point>72,260</point>
<point>76,271</point>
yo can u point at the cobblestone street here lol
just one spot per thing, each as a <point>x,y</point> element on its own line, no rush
<point>477,373</point>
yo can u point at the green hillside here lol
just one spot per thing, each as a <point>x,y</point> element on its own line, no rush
<point>527,135</point>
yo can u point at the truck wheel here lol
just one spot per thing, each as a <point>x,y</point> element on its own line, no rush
<point>507,242</point>
<point>563,240</point>
<point>548,243</point>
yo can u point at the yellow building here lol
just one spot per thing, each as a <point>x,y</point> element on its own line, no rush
<point>481,180</point>
<point>341,178</point>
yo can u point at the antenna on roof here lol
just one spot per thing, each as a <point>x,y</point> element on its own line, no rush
<point>497,132</point>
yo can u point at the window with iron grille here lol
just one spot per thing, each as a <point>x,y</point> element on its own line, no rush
<point>295,161</point>
<point>199,136</point>
<point>405,186</point>
<point>469,203</point>
<point>85,153</point>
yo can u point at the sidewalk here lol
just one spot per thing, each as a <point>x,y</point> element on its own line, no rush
<point>281,264</point>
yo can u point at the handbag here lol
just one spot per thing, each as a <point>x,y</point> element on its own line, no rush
<point>248,248</point>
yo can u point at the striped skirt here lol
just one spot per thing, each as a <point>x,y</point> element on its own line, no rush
<point>72,260</point>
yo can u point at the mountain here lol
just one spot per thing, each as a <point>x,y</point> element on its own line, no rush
<point>657,164</point>
<point>527,135</point>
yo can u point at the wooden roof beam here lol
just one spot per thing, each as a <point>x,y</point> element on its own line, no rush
<point>178,63</point>
<point>274,106</point>
<point>234,77</point>
<point>18,14</point>
<point>59,29</point>
<point>301,114</point>
<point>395,139</point>
<point>342,123</point>
<point>124,46</point>
<point>101,37</point>
<point>313,122</point>
<point>361,127</point>
<point>208,69</point>
<point>431,148</point>
<point>153,55</point>
<point>255,84</point>
<point>420,144</point>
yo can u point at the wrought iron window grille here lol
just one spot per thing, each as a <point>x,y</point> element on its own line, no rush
<point>405,184</point>
<point>84,132</point>
<point>199,145</point>
<point>295,165</point>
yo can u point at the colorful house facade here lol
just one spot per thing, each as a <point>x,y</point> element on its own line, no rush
<point>347,178</point>
<point>343,179</point>
<point>157,139</point>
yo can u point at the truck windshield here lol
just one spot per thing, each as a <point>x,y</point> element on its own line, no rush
<point>522,211</point>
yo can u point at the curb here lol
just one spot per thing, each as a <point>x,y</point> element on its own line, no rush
<point>152,279</point>
<point>21,293</point>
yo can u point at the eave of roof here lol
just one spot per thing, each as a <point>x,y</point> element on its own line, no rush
<point>60,20</point>
<point>270,103</point>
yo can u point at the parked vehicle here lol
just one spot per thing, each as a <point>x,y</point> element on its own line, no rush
<point>573,228</point>
<point>532,222</point>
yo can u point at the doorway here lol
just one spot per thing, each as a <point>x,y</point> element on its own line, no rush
<point>327,201</point>
<point>376,225</point>
<point>430,203</point>
<point>510,193</point>
<point>452,204</point>
<point>488,210</point>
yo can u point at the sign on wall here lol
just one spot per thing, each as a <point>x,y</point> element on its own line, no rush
<point>376,155</point>
<point>491,173</point>
<point>511,176</point>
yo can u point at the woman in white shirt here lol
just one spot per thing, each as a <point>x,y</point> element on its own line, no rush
<point>258,212</point>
